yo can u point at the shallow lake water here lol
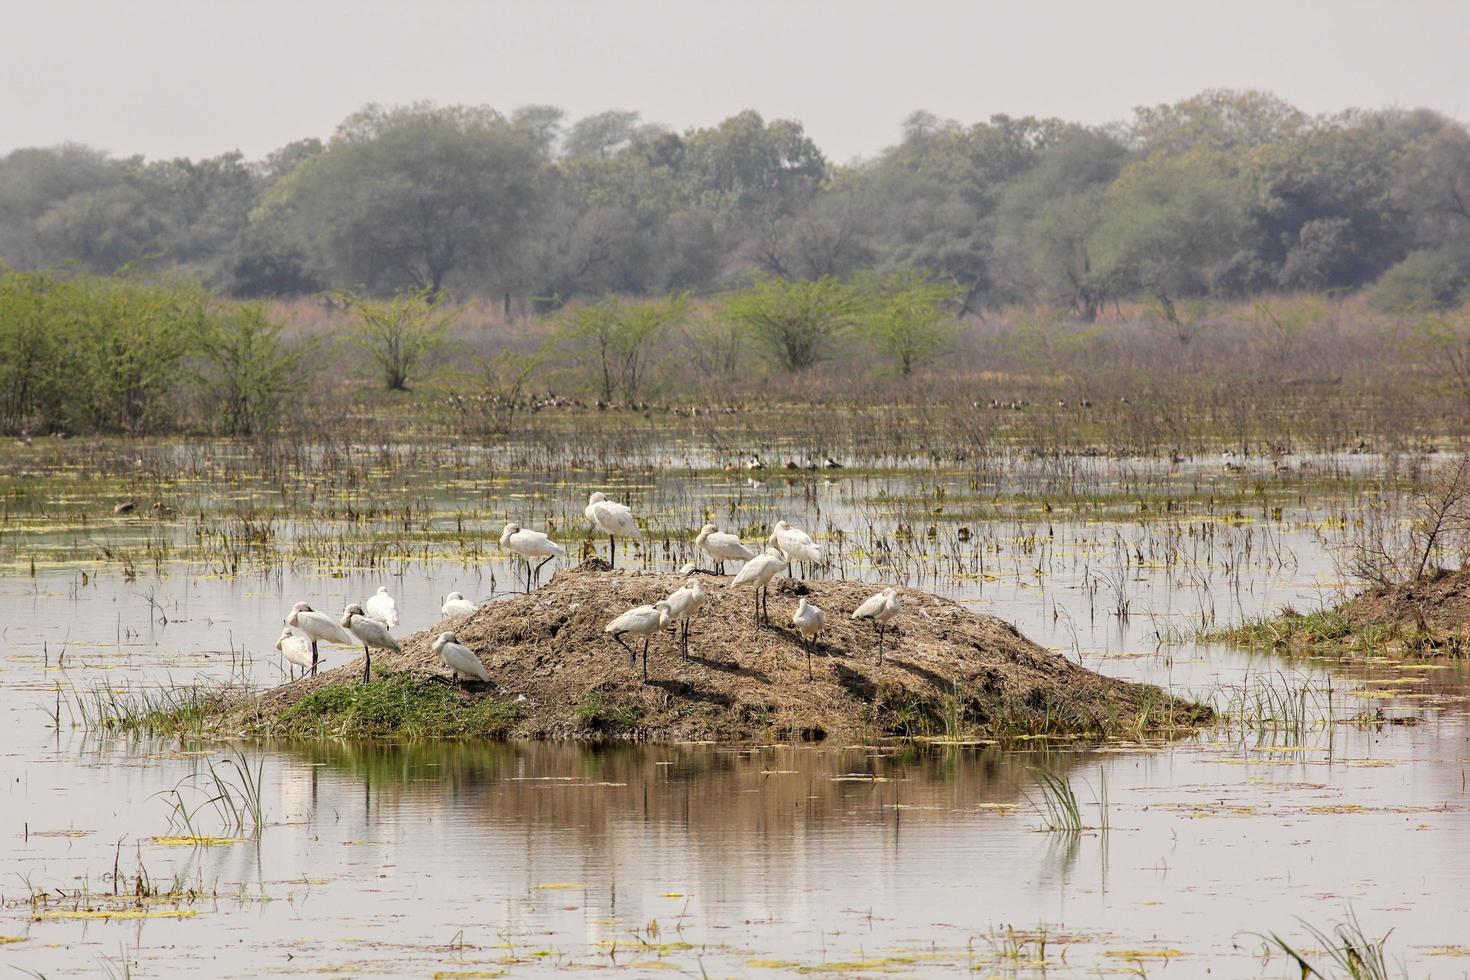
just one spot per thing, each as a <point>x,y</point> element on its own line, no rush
<point>710,860</point>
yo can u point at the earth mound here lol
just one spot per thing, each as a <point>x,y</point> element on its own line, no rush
<point>947,671</point>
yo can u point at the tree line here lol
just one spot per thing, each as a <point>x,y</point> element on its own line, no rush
<point>1223,195</point>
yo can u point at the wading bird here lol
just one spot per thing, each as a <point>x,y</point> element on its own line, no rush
<point>456,606</point>
<point>380,606</point>
<point>295,648</point>
<point>683,603</point>
<point>460,659</point>
<point>721,547</point>
<point>759,571</point>
<point>808,620</point>
<point>615,520</point>
<point>880,609</point>
<point>531,544</point>
<point>318,628</point>
<point>795,544</point>
<point>641,621</point>
<point>370,633</point>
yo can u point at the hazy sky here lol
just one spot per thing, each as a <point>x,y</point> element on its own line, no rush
<point>198,77</point>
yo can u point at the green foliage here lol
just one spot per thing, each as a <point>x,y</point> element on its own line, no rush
<point>396,706</point>
<point>796,324</point>
<point>911,320</point>
<point>414,196</point>
<point>1425,280</point>
<point>399,335</point>
<point>1221,194</point>
<point>249,371</point>
<point>617,340</point>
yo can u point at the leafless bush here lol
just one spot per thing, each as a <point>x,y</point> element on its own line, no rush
<point>1384,553</point>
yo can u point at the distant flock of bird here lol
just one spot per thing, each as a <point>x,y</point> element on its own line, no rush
<point>369,624</point>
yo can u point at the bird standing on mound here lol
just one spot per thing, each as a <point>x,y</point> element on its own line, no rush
<point>456,606</point>
<point>318,627</point>
<point>460,659</point>
<point>615,520</point>
<point>880,609</point>
<point>721,547</point>
<point>683,603</point>
<point>758,572</point>
<point>531,544</point>
<point>808,620</point>
<point>795,544</point>
<point>380,606</point>
<point>641,621</point>
<point>370,633</point>
<point>296,649</point>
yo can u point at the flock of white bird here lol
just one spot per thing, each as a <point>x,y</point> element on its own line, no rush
<point>369,624</point>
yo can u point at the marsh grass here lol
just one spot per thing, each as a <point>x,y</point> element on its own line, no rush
<point>396,706</point>
<point>1350,952</point>
<point>231,789</point>
<point>168,709</point>
<point>1060,810</point>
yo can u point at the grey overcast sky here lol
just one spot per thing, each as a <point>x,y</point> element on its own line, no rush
<point>199,77</point>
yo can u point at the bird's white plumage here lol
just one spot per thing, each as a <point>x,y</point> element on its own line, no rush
<point>686,600</point>
<point>295,647</point>
<point>319,626</point>
<point>612,517</point>
<point>722,546</point>
<point>459,658</point>
<point>761,569</point>
<point>530,544</point>
<point>880,608</point>
<point>369,631</point>
<point>456,606</point>
<point>640,620</point>
<point>794,543</point>
<point>381,606</point>
<point>808,619</point>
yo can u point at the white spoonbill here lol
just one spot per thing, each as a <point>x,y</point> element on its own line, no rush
<point>531,544</point>
<point>370,633</point>
<point>759,571</point>
<point>319,628</point>
<point>683,603</point>
<point>456,606</point>
<point>460,659</point>
<point>296,648</point>
<point>808,620</point>
<point>381,606</point>
<point>641,621</point>
<point>615,520</point>
<point>880,609</point>
<point>795,544</point>
<point>722,547</point>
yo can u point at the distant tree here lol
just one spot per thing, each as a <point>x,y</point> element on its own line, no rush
<point>402,333</point>
<point>1050,216</point>
<point>1425,280</point>
<point>797,323</point>
<point>1172,226</point>
<point>248,370</point>
<point>911,320</point>
<point>416,196</point>
<point>619,339</point>
<point>1217,119</point>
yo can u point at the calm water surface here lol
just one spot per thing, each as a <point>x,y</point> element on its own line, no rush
<point>472,860</point>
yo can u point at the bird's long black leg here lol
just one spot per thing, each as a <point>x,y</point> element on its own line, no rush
<point>645,659</point>
<point>539,567</point>
<point>880,644</point>
<point>313,658</point>
<point>612,551</point>
<point>632,654</point>
<point>809,659</point>
<point>367,663</point>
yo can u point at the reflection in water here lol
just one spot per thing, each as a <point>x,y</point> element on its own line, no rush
<point>470,857</point>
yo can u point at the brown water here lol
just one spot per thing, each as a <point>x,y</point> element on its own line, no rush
<point>470,859</point>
